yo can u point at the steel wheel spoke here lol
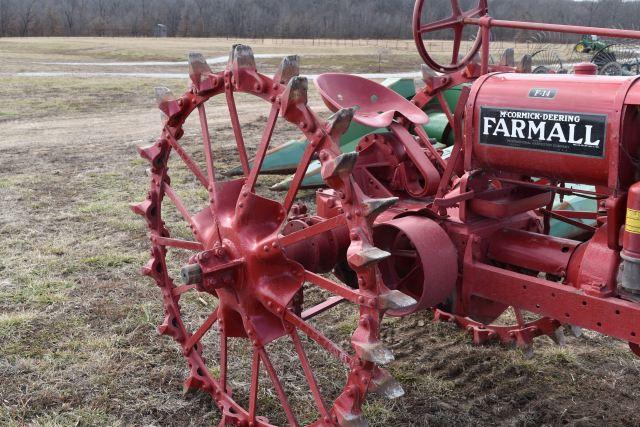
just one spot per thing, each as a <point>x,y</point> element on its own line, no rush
<point>318,337</point>
<point>403,253</point>
<point>278,386</point>
<point>178,243</point>
<point>457,41</point>
<point>255,378</point>
<point>179,204</point>
<point>333,287</point>
<point>193,167</point>
<point>312,231</point>
<point>439,25</point>
<point>408,278</point>
<point>306,367</point>
<point>237,131</point>
<point>446,109</point>
<point>182,289</point>
<point>208,155</point>
<point>223,358</point>
<point>473,12</point>
<point>455,6</point>
<point>213,317</point>
<point>263,147</point>
<point>321,308</point>
<point>299,175</point>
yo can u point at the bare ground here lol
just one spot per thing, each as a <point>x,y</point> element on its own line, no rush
<point>77,322</point>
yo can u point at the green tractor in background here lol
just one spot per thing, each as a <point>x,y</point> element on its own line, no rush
<point>588,44</point>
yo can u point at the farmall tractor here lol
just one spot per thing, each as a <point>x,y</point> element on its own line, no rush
<point>398,228</point>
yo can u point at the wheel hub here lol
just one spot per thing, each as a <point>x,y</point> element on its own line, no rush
<point>245,267</point>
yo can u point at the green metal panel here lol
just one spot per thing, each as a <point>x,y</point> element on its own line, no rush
<point>437,126</point>
<point>451,97</point>
<point>573,203</point>
<point>285,158</point>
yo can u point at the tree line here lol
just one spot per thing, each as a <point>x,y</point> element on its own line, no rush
<point>339,19</point>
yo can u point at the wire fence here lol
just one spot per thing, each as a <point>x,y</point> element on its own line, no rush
<point>398,45</point>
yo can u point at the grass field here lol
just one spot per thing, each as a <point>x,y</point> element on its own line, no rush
<point>78,344</point>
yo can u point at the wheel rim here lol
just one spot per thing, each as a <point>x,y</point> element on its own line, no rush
<point>611,69</point>
<point>241,255</point>
<point>454,22</point>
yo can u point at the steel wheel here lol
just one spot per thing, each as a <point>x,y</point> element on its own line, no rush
<point>239,255</point>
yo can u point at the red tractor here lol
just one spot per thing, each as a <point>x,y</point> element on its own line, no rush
<point>399,228</point>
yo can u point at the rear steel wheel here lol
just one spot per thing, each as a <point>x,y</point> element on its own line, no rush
<point>238,253</point>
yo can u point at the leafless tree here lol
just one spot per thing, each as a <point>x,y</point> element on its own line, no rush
<point>340,19</point>
<point>26,17</point>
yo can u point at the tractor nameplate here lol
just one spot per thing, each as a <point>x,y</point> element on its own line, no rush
<point>543,93</point>
<point>579,134</point>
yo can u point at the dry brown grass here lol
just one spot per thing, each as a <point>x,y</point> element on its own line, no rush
<point>77,322</point>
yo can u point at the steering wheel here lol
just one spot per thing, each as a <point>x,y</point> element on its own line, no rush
<point>456,22</point>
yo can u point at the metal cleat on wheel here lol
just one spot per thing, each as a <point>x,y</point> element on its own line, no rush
<point>396,300</point>
<point>383,383</point>
<point>288,69</point>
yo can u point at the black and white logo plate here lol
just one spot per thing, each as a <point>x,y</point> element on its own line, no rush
<point>579,134</point>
